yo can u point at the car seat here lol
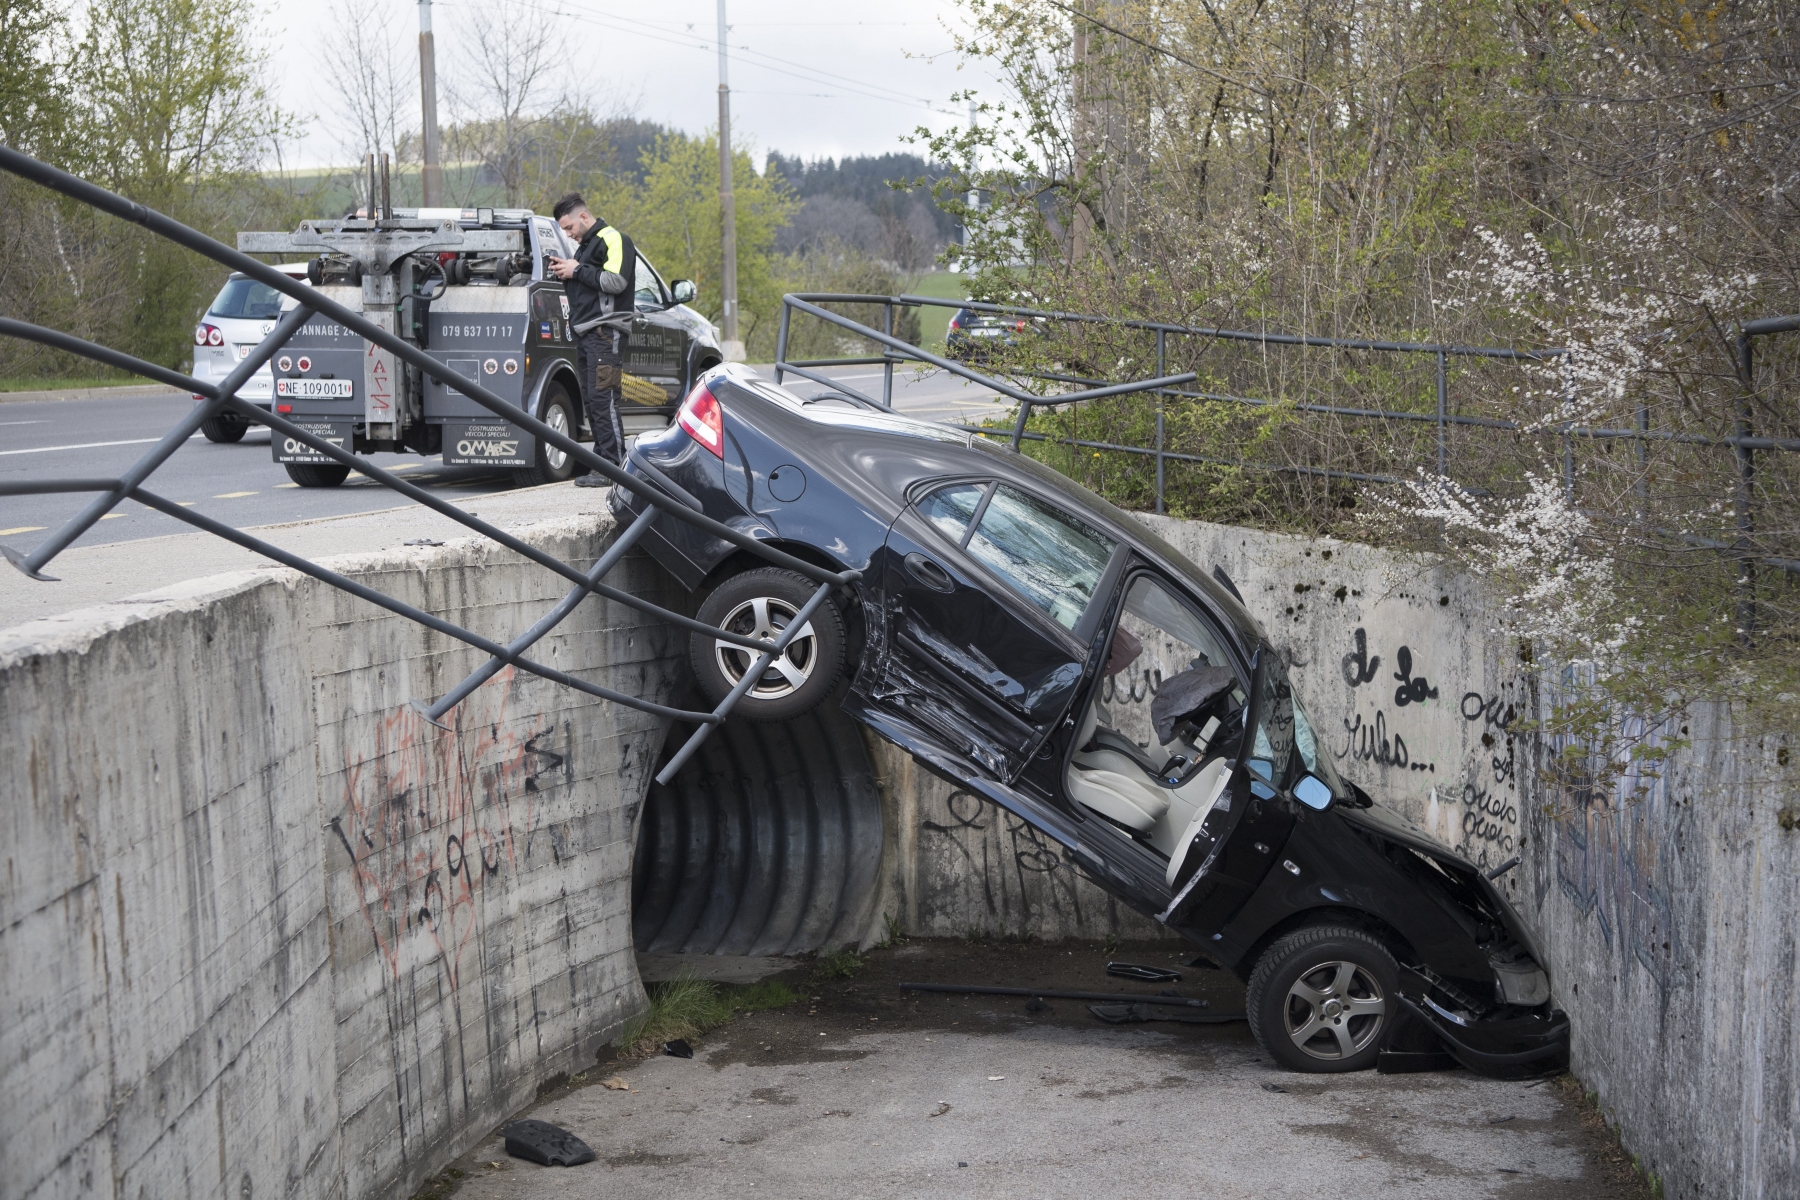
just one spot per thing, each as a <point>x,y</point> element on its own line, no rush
<point>1111,782</point>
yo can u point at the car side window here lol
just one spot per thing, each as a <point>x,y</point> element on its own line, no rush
<point>1053,559</point>
<point>951,509</point>
<point>1168,680</point>
<point>649,287</point>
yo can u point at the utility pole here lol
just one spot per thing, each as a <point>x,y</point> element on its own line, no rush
<point>432,175</point>
<point>733,347</point>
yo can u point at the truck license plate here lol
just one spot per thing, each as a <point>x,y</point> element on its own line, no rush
<point>486,444</point>
<point>341,434</point>
<point>313,389</point>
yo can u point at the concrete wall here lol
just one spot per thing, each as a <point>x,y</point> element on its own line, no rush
<point>1667,906</point>
<point>263,931</point>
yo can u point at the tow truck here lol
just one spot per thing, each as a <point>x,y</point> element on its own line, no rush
<point>472,288</point>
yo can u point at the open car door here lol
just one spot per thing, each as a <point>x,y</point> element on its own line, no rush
<point>1232,852</point>
<point>989,619</point>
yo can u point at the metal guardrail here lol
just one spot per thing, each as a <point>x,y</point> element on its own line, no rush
<point>222,398</point>
<point>1744,443</point>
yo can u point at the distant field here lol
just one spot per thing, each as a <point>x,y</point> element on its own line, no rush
<point>935,321</point>
<point>78,382</point>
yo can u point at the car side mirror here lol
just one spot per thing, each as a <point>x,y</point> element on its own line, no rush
<point>683,290</point>
<point>1313,792</point>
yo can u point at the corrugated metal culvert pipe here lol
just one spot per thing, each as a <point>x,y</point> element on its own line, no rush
<point>767,842</point>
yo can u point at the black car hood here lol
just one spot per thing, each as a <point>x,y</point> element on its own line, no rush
<point>1385,823</point>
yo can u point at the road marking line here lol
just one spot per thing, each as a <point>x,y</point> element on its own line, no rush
<point>232,495</point>
<point>93,445</point>
<point>111,516</point>
<point>24,422</point>
<point>287,485</point>
<point>20,529</point>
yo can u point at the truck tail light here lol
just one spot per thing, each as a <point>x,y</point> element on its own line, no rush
<point>704,421</point>
<point>208,335</point>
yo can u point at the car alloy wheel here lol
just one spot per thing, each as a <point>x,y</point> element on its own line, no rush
<point>1322,999</point>
<point>761,604</point>
<point>555,456</point>
<point>765,618</point>
<point>1334,1011</point>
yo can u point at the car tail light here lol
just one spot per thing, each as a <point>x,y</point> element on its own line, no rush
<point>704,421</point>
<point>956,321</point>
<point>1019,326</point>
<point>208,335</point>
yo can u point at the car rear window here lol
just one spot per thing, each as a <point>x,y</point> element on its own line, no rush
<point>246,300</point>
<point>1052,558</point>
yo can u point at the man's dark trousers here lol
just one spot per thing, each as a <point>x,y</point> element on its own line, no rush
<point>600,358</point>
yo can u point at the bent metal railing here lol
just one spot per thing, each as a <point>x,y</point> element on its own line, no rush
<point>660,498</point>
<point>1744,443</point>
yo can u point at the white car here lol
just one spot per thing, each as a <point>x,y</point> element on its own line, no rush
<point>239,318</point>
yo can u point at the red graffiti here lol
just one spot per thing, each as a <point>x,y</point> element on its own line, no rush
<point>431,816</point>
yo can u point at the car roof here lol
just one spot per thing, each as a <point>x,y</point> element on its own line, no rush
<point>883,458</point>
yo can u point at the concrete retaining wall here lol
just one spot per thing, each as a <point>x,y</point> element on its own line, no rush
<point>263,931</point>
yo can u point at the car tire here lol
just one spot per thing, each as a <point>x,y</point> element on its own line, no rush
<point>1322,999</point>
<point>225,428</point>
<point>760,603</point>
<point>317,474</point>
<point>549,464</point>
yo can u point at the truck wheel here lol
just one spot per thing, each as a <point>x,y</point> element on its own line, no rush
<point>760,604</point>
<point>551,464</point>
<point>1321,999</point>
<point>318,474</point>
<point>225,428</point>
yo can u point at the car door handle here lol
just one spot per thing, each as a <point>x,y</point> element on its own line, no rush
<point>929,573</point>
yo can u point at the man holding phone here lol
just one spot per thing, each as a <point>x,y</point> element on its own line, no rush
<point>601,282</point>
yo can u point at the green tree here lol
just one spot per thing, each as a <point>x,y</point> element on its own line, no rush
<point>674,216</point>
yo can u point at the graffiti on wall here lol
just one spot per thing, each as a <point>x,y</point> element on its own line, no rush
<point>432,818</point>
<point>1610,863</point>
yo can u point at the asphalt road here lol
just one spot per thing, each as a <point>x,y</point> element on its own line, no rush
<point>239,485</point>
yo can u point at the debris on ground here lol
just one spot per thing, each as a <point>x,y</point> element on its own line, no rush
<point>615,1084</point>
<point>1131,1014</point>
<point>678,1048</point>
<point>1125,970</point>
<point>545,1144</point>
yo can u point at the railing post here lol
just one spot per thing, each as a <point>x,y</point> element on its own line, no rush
<point>887,352</point>
<point>1746,463</point>
<point>1443,430</point>
<point>781,338</point>
<point>1161,356</point>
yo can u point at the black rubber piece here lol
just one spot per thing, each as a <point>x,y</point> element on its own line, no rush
<point>1293,956</point>
<point>767,842</point>
<point>827,644</point>
<point>318,474</point>
<point>1124,970</point>
<point>545,1144</point>
<point>678,1048</point>
<point>970,989</point>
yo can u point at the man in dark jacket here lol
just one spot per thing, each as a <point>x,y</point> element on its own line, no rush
<point>601,282</point>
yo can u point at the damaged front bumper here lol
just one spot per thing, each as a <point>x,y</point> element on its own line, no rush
<point>1505,1043</point>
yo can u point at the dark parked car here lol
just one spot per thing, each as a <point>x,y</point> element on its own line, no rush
<point>1004,632</point>
<point>974,336</point>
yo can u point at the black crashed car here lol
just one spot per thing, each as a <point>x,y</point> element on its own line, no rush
<point>1003,632</point>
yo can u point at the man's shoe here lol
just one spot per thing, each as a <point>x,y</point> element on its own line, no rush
<point>593,480</point>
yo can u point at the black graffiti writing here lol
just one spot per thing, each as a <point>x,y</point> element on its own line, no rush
<point>1370,743</point>
<point>1359,668</point>
<point>1496,716</point>
<point>1488,818</point>
<point>1411,690</point>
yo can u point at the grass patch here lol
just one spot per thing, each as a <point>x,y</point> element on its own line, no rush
<point>688,1007</point>
<point>934,322</point>
<point>86,381</point>
<point>843,964</point>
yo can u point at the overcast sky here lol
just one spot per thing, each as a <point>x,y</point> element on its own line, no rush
<point>808,77</point>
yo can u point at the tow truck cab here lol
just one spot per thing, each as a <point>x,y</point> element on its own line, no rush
<point>472,288</point>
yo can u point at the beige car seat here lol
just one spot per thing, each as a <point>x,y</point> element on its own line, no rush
<point>1110,783</point>
<point>1210,783</point>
